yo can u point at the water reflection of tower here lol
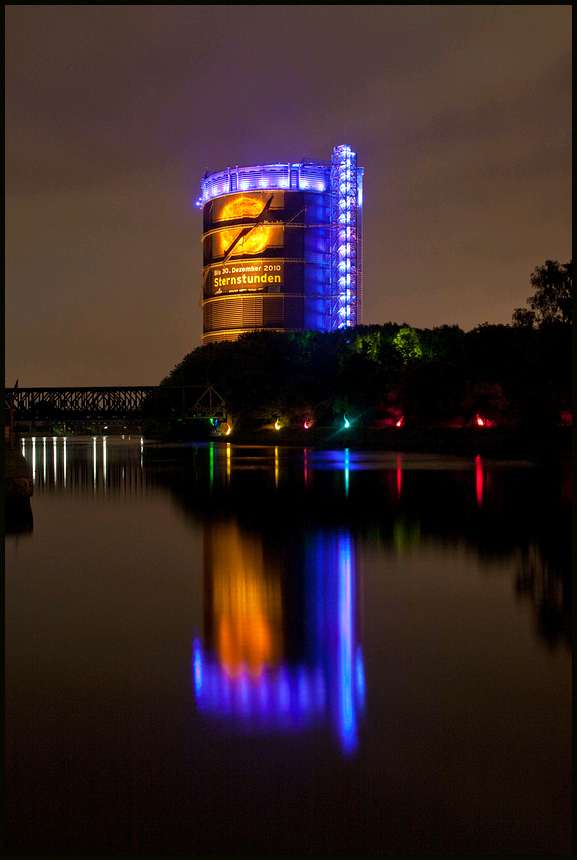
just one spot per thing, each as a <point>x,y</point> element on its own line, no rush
<point>280,648</point>
<point>242,602</point>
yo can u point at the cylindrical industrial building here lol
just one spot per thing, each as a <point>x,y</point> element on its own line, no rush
<point>282,247</point>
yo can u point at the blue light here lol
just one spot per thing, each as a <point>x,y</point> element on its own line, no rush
<point>283,692</point>
<point>264,176</point>
<point>304,697</point>
<point>347,721</point>
<point>197,668</point>
<point>360,674</point>
<point>345,215</point>
<point>243,695</point>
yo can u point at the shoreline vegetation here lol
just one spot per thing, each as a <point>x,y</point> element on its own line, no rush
<point>501,391</point>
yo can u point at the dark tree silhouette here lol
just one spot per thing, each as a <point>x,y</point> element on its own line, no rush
<point>516,374</point>
<point>553,298</point>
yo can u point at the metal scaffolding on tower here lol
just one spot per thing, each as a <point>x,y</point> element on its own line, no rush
<point>344,218</point>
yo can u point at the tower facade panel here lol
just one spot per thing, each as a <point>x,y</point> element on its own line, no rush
<point>281,247</point>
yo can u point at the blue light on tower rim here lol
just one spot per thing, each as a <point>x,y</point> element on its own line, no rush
<point>306,176</point>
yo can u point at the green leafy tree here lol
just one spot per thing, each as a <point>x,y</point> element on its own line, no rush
<point>408,343</point>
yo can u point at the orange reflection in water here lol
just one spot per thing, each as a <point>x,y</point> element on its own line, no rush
<point>258,238</point>
<point>247,603</point>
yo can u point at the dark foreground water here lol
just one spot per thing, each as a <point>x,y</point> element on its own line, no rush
<point>276,651</point>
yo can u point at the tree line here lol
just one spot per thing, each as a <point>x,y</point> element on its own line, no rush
<point>393,373</point>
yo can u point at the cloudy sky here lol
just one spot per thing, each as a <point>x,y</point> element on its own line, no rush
<point>460,116</point>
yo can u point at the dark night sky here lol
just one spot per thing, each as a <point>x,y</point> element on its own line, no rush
<point>460,115</point>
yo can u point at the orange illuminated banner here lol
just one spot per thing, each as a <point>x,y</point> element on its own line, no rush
<point>251,204</point>
<point>249,215</point>
<point>246,276</point>
<point>244,241</point>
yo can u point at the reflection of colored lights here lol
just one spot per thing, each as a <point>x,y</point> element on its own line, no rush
<point>479,479</point>
<point>197,666</point>
<point>246,603</point>
<point>360,677</point>
<point>328,682</point>
<point>346,715</point>
<point>258,238</point>
<point>276,469</point>
<point>281,698</point>
<point>405,535</point>
<point>399,477</point>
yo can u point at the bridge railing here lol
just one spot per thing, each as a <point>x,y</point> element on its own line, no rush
<point>142,402</point>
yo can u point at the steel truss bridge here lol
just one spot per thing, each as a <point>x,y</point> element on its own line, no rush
<point>135,403</point>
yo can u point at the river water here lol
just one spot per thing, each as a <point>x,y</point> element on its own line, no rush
<point>215,649</point>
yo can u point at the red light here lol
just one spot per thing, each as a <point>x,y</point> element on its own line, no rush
<point>479,479</point>
<point>480,421</point>
<point>400,422</point>
<point>306,424</point>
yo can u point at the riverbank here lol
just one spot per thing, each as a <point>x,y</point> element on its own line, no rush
<point>18,483</point>
<point>497,442</point>
<point>487,441</point>
<point>536,445</point>
<point>18,490</point>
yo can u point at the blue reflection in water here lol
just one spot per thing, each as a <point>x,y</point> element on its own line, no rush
<point>346,718</point>
<point>335,642</point>
<point>328,682</point>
